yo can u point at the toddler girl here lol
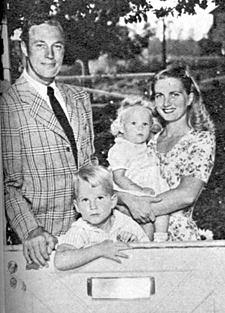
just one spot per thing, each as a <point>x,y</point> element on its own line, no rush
<point>135,170</point>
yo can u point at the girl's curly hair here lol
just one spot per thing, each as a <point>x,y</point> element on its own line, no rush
<point>127,104</point>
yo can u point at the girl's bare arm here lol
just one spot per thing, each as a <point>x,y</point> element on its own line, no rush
<point>125,183</point>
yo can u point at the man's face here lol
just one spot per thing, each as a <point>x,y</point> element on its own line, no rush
<point>45,52</point>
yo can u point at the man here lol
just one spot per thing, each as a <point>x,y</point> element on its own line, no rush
<point>39,155</point>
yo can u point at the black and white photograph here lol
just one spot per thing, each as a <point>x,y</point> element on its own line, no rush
<point>112,156</point>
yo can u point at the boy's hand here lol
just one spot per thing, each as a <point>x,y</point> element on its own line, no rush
<point>125,236</point>
<point>112,250</point>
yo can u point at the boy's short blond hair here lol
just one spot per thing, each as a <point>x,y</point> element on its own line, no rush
<point>95,175</point>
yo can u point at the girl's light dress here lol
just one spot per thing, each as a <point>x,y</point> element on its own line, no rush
<point>192,156</point>
<point>140,163</point>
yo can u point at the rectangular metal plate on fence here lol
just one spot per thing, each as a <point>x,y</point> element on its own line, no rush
<point>120,287</point>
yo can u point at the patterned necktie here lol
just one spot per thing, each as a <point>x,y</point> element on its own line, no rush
<point>61,117</point>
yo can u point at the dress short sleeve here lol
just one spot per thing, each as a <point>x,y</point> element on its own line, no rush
<point>201,156</point>
<point>118,156</point>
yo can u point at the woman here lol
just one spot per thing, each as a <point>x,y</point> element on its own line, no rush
<point>185,149</point>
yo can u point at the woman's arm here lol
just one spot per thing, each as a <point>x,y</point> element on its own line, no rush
<point>200,157</point>
<point>68,257</point>
<point>127,184</point>
<point>200,160</point>
<point>185,195</point>
<point>136,206</point>
<point>144,209</point>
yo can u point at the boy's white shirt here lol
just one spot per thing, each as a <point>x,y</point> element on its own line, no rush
<point>121,223</point>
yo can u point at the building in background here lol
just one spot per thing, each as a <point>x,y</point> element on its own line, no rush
<point>217,31</point>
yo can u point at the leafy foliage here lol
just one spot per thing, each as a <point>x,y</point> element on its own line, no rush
<point>91,26</point>
<point>99,12</point>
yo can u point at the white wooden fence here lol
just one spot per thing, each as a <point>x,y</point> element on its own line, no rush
<point>156,278</point>
<point>81,78</point>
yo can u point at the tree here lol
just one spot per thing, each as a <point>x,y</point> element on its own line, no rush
<point>209,47</point>
<point>91,25</point>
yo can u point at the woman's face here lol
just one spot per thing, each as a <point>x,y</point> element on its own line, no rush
<point>171,99</point>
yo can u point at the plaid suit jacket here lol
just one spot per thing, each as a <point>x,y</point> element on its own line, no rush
<point>38,162</point>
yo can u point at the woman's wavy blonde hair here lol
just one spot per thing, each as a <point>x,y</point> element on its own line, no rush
<point>127,104</point>
<point>198,116</point>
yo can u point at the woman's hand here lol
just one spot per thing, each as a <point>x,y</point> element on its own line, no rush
<point>138,207</point>
<point>148,191</point>
<point>141,211</point>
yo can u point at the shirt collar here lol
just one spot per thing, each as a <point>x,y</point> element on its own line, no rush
<point>85,225</point>
<point>41,88</point>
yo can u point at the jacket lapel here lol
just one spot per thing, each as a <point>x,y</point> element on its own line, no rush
<point>39,108</point>
<point>72,109</point>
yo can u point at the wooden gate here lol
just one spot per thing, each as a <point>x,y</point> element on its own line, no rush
<point>165,278</point>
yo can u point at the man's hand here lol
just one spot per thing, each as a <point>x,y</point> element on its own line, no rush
<point>112,250</point>
<point>38,247</point>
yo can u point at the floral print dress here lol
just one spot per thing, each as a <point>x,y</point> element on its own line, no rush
<point>192,156</point>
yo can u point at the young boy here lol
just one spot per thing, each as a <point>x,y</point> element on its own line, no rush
<point>101,231</point>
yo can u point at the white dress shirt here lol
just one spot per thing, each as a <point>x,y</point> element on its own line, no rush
<point>42,90</point>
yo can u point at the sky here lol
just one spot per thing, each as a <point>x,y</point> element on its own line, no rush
<point>196,26</point>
